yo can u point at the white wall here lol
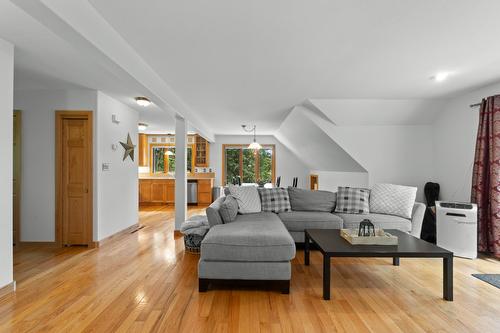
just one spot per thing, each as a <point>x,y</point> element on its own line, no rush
<point>117,189</point>
<point>455,133</point>
<point>390,154</point>
<point>331,180</point>
<point>38,155</point>
<point>287,164</point>
<point>313,146</point>
<point>6,135</point>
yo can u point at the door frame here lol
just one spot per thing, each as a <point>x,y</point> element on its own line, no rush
<point>60,116</point>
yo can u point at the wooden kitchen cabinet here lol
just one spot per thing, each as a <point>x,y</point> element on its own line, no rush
<point>143,149</point>
<point>156,191</point>
<point>144,190</point>
<point>161,191</point>
<point>171,192</point>
<point>205,191</point>
<point>202,151</point>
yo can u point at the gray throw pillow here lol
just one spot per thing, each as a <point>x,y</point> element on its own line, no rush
<point>353,200</point>
<point>306,200</point>
<point>229,209</point>
<point>274,200</point>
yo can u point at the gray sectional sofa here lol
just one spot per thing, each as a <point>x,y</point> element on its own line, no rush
<point>260,246</point>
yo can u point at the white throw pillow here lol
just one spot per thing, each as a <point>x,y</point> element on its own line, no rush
<point>392,199</point>
<point>247,197</point>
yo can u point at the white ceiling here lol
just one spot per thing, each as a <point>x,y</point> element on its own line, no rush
<point>249,62</point>
<point>45,61</point>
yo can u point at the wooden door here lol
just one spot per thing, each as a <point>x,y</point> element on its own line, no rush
<point>16,177</point>
<point>75,175</point>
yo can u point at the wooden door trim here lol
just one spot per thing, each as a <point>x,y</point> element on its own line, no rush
<point>60,116</point>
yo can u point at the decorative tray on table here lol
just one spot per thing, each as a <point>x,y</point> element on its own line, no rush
<point>380,237</point>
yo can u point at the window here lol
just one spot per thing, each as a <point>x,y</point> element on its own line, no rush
<point>252,166</point>
<point>163,159</point>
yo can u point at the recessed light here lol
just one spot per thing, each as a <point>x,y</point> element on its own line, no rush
<point>142,126</point>
<point>142,101</point>
<point>440,77</point>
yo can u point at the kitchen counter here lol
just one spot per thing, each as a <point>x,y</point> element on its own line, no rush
<point>194,176</point>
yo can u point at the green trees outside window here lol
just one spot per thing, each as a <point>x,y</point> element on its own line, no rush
<point>164,159</point>
<point>252,166</point>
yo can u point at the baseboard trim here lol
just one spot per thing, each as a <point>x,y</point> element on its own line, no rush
<point>116,235</point>
<point>8,289</point>
<point>30,243</point>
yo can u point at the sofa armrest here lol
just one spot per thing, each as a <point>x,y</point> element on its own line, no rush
<point>417,218</point>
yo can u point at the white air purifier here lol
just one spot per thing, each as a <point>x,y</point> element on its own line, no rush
<point>456,228</point>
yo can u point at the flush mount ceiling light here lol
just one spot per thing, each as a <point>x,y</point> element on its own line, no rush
<point>142,126</point>
<point>254,145</point>
<point>142,101</point>
<point>440,77</point>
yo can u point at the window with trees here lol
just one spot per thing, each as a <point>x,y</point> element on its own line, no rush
<point>163,159</point>
<point>250,165</point>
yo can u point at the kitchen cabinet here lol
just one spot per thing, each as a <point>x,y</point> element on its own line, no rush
<point>202,151</point>
<point>161,191</point>
<point>143,149</point>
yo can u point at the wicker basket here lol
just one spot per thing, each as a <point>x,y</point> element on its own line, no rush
<point>192,243</point>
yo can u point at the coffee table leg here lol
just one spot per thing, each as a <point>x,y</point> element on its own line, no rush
<point>448,278</point>
<point>306,248</point>
<point>326,277</point>
<point>395,261</point>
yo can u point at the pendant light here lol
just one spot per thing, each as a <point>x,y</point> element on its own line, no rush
<point>254,145</point>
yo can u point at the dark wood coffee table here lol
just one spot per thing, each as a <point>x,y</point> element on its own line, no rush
<point>331,244</point>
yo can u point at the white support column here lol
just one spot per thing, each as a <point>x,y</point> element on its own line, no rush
<point>6,161</point>
<point>180,171</point>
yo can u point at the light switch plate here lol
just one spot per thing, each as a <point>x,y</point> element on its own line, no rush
<point>106,166</point>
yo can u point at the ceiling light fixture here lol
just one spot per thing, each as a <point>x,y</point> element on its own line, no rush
<point>254,145</point>
<point>142,126</point>
<point>440,77</point>
<point>142,101</point>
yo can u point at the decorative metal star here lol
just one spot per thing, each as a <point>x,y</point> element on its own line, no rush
<point>129,148</point>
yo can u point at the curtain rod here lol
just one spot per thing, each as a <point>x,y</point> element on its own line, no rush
<point>475,105</point>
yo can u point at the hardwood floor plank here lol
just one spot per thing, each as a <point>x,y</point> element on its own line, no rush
<point>145,282</point>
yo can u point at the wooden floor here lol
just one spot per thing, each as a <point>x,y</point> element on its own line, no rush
<point>146,282</point>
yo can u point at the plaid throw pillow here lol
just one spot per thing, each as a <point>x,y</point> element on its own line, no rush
<point>274,200</point>
<point>353,200</point>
